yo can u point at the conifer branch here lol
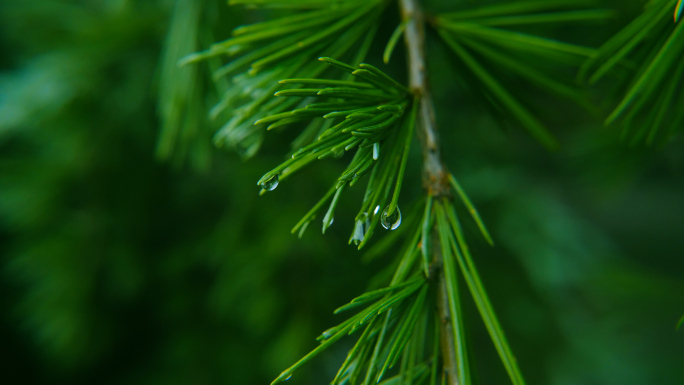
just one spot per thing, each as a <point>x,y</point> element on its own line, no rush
<point>434,173</point>
<point>435,177</point>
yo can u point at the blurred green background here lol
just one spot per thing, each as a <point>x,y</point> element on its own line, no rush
<point>118,268</point>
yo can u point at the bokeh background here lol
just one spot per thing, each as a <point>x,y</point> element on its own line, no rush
<point>120,267</point>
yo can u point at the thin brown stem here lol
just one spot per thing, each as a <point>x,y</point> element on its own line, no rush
<point>435,175</point>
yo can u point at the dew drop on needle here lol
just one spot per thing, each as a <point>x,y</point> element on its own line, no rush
<point>271,183</point>
<point>391,222</point>
<point>362,225</point>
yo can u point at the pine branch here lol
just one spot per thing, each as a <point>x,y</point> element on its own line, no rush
<point>434,172</point>
<point>364,112</point>
<point>444,237</point>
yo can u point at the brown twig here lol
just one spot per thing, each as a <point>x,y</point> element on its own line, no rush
<point>435,176</point>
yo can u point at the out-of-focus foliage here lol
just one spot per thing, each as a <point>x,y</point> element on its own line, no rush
<point>117,269</point>
<point>282,47</point>
<point>183,92</point>
<point>493,38</point>
<point>654,47</point>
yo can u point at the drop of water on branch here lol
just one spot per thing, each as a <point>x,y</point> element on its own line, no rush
<point>271,183</point>
<point>391,222</point>
<point>360,229</point>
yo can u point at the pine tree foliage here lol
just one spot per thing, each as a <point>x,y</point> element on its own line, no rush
<point>484,39</point>
<point>183,91</point>
<point>651,47</point>
<point>399,326</point>
<point>369,115</point>
<point>116,269</point>
<point>279,49</point>
<point>369,112</point>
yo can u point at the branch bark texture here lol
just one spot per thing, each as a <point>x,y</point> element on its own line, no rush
<point>435,176</point>
<point>434,172</point>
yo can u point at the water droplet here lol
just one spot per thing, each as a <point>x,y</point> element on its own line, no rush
<point>391,222</point>
<point>376,150</point>
<point>377,208</point>
<point>271,183</point>
<point>358,233</point>
<point>290,376</point>
<point>360,229</point>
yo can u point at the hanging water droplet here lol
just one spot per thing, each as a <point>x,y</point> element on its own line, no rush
<point>359,233</point>
<point>271,183</point>
<point>290,376</point>
<point>377,208</point>
<point>376,150</point>
<point>360,229</point>
<point>392,221</point>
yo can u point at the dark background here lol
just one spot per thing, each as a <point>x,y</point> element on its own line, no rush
<point>118,268</point>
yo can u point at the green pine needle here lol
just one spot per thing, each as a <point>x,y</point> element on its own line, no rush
<point>393,41</point>
<point>471,209</point>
